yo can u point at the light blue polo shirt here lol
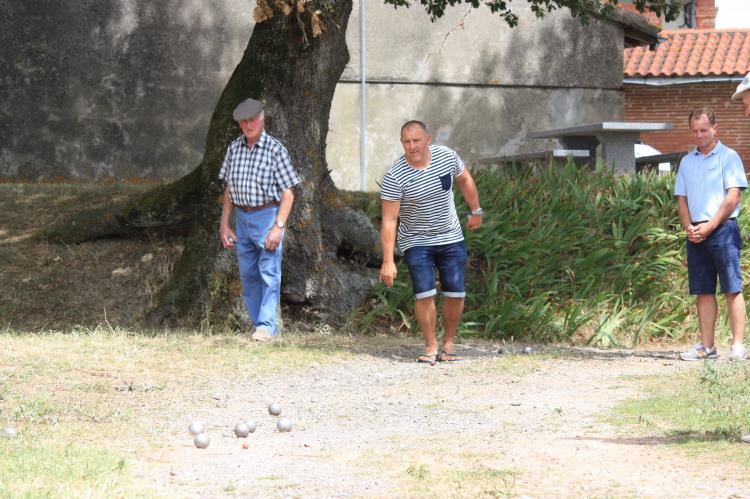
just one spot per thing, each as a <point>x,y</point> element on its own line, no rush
<point>704,180</point>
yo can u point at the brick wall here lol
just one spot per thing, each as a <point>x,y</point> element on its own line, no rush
<point>673,103</point>
<point>705,14</point>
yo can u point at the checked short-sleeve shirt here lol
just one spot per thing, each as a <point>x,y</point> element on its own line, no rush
<point>257,175</point>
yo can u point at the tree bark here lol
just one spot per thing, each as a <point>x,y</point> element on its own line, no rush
<point>295,75</point>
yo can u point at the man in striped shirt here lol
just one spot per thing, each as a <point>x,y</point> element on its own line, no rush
<point>417,197</point>
<point>259,177</point>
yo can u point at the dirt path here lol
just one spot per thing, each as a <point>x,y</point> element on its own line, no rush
<point>381,425</point>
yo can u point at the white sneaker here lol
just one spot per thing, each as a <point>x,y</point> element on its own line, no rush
<point>699,352</point>
<point>739,352</point>
<point>261,334</point>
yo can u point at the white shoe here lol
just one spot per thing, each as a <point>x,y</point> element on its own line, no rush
<point>699,352</point>
<point>262,333</point>
<point>739,352</point>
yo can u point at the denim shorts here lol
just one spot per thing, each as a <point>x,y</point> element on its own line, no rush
<point>449,259</point>
<point>717,255</point>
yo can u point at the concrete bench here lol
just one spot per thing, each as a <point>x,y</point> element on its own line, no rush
<point>648,163</point>
<point>552,156</point>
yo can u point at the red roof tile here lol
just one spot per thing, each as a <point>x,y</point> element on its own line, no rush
<point>692,52</point>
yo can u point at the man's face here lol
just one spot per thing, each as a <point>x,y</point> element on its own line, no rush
<point>252,128</point>
<point>746,102</point>
<point>704,133</point>
<point>416,144</point>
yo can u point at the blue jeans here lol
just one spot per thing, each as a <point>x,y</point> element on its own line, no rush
<point>260,270</point>
<point>717,255</point>
<point>450,260</point>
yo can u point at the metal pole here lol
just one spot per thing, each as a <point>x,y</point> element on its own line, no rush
<point>362,99</point>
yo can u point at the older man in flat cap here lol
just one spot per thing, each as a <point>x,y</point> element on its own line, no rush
<point>259,177</point>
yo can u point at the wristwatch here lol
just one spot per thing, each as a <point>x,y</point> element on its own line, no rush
<point>479,211</point>
<point>280,225</point>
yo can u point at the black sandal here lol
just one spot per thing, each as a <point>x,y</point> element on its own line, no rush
<point>427,359</point>
<point>444,356</point>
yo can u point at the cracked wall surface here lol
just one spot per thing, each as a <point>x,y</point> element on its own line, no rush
<point>478,84</point>
<point>124,88</point>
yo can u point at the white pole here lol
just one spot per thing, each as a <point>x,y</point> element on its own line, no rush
<point>362,99</point>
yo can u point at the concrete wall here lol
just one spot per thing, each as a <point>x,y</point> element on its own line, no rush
<point>99,88</point>
<point>123,88</point>
<point>480,85</point>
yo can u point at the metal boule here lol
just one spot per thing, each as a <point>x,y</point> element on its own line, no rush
<point>274,408</point>
<point>745,439</point>
<point>201,440</point>
<point>527,350</point>
<point>284,424</point>
<point>241,430</point>
<point>197,427</point>
<point>251,425</point>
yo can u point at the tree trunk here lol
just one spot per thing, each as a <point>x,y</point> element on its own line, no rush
<point>295,75</point>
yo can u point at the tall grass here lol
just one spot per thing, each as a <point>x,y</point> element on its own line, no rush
<point>567,252</point>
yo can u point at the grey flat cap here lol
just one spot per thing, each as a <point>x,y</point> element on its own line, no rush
<point>742,87</point>
<point>247,109</point>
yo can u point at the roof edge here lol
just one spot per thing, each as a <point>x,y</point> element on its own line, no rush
<point>637,30</point>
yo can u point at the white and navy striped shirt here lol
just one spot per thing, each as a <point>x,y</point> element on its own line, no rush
<point>257,175</point>
<point>427,214</point>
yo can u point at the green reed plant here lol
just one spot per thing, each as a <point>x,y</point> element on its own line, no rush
<point>570,251</point>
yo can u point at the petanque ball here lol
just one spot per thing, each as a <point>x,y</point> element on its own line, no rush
<point>527,350</point>
<point>201,440</point>
<point>241,430</point>
<point>274,409</point>
<point>10,432</point>
<point>251,426</point>
<point>284,424</point>
<point>197,427</point>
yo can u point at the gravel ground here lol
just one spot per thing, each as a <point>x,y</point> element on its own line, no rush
<point>381,425</point>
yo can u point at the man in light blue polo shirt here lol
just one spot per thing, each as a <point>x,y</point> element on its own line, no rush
<point>708,188</point>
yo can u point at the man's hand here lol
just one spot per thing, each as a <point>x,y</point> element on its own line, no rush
<point>474,222</point>
<point>273,239</point>
<point>228,237</point>
<point>388,273</point>
<point>699,233</point>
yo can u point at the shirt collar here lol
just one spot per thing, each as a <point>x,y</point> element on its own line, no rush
<point>262,141</point>
<point>715,150</point>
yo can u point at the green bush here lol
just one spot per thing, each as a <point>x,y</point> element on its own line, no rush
<point>569,253</point>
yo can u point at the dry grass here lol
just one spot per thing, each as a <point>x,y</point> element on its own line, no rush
<point>55,286</point>
<point>90,395</point>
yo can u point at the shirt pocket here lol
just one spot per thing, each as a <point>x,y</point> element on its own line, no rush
<point>446,181</point>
